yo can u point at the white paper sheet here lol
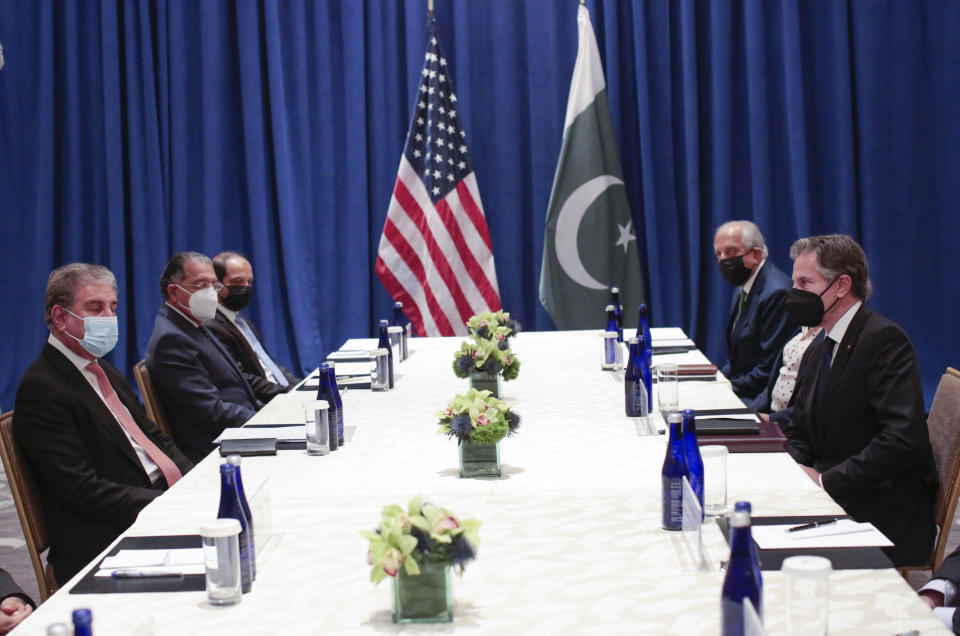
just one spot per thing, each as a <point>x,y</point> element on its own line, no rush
<point>846,533</point>
<point>174,560</point>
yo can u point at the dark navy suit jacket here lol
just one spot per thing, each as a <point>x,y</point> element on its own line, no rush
<point>201,388</point>
<point>756,338</point>
<point>950,570</point>
<point>92,484</point>
<point>867,434</point>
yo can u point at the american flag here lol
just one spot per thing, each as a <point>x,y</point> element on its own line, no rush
<point>435,254</point>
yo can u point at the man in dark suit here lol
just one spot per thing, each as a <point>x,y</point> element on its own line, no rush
<point>235,331</point>
<point>14,604</point>
<point>97,457</point>
<point>858,426</point>
<point>201,388</point>
<point>757,327</point>
<point>940,593</point>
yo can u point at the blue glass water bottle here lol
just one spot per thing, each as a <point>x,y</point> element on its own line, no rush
<point>691,453</point>
<point>634,391</point>
<point>645,362</point>
<point>335,390</point>
<point>643,326</point>
<point>740,581</point>
<point>234,460</point>
<point>231,508</point>
<point>385,344</point>
<point>617,310</point>
<point>746,507</point>
<point>671,476</point>
<point>82,622</point>
<point>325,392</point>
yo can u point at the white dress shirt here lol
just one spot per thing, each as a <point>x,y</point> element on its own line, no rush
<point>152,470</point>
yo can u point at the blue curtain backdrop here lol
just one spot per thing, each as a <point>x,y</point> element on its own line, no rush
<point>133,129</point>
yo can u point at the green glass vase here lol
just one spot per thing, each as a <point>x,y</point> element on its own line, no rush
<point>479,460</point>
<point>424,598</point>
<point>483,381</point>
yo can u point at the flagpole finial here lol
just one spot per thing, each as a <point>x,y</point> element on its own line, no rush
<point>430,8</point>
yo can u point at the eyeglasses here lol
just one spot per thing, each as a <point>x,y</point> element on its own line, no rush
<point>204,284</point>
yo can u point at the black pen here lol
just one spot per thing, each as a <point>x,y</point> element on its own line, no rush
<point>811,525</point>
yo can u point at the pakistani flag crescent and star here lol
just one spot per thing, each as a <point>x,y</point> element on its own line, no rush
<point>590,243</point>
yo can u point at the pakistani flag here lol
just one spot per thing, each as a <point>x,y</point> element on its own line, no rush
<point>590,242</point>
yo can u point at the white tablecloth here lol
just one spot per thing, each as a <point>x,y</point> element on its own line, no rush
<point>571,539</point>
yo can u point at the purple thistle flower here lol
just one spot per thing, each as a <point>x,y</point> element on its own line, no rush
<point>502,345</point>
<point>492,365</point>
<point>464,364</point>
<point>513,421</point>
<point>461,426</point>
<point>424,543</point>
<point>483,332</point>
<point>461,551</point>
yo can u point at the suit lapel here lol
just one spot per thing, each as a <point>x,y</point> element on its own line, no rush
<point>104,418</point>
<point>208,341</point>
<point>845,349</point>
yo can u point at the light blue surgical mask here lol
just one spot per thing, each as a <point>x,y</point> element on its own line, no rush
<point>100,333</point>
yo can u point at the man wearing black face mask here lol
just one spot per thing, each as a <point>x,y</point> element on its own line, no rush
<point>235,331</point>
<point>757,328</point>
<point>858,427</point>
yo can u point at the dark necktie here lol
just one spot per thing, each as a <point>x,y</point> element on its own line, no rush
<point>741,299</point>
<point>826,357</point>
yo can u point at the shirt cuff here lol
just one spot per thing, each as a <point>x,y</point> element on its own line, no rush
<point>945,587</point>
<point>945,614</point>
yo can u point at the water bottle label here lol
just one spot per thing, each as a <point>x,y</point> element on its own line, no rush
<point>674,500</point>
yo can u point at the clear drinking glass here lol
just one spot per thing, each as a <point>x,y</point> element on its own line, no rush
<point>221,556</point>
<point>714,479</point>
<point>380,372</point>
<point>808,583</point>
<point>612,353</point>
<point>667,387</point>
<point>316,420</point>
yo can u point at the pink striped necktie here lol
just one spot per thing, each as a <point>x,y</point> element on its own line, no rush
<point>170,471</point>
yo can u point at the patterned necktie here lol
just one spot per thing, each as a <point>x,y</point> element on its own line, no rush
<point>170,471</point>
<point>262,354</point>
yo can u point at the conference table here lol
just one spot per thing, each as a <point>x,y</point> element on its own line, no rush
<point>571,540</point>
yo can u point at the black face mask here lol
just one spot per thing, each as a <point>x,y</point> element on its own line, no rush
<point>805,308</point>
<point>238,297</point>
<point>734,271</point>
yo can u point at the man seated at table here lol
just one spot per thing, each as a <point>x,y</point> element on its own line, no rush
<point>757,327</point>
<point>235,331</point>
<point>858,426</point>
<point>201,388</point>
<point>774,402</point>
<point>15,605</point>
<point>97,457</point>
<point>940,593</point>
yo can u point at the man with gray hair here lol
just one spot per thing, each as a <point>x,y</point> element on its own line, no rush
<point>97,456</point>
<point>201,388</point>
<point>858,426</point>
<point>757,327</point>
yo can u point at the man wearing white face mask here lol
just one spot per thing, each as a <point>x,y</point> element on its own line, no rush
<point>97,456</point>
<point>201,388</point>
